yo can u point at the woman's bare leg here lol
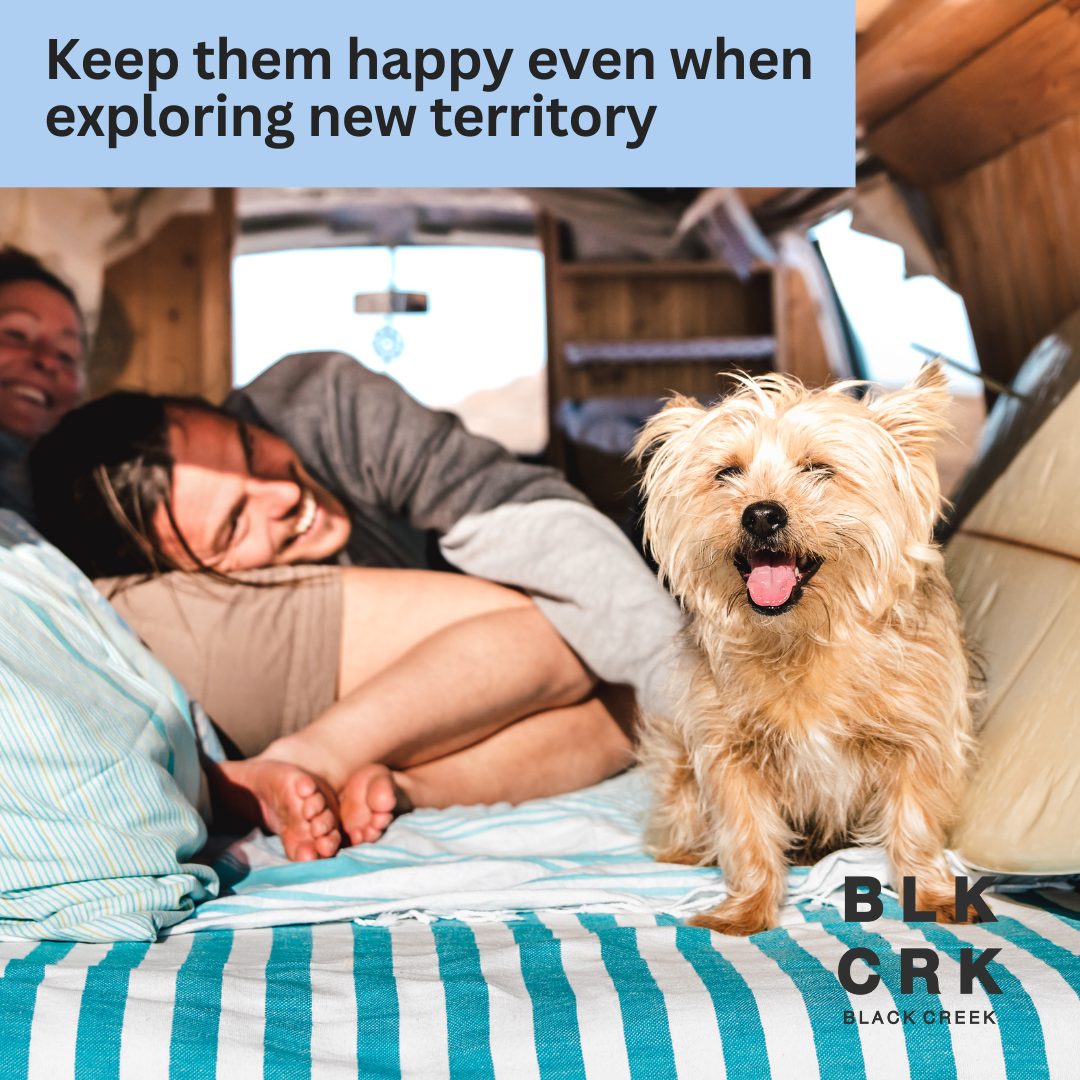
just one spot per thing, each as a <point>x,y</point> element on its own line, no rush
<point>434,667</point>
<point>385,613</point>
<point>456,685</point>
<point>546,754</point>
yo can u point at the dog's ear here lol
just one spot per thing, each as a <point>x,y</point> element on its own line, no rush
<point>677,415</point>
<point>915,415</point>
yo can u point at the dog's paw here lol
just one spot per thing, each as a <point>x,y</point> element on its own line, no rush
<point>735,921</point>
<point>946,913</point>
<point>944,907</point>
<point>680,856</point>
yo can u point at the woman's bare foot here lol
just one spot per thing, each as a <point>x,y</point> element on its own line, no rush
<point>299,807</point>
<point>369,801</point>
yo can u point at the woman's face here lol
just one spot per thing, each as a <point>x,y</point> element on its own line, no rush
<point>41,358</point>
<point>241,499</point>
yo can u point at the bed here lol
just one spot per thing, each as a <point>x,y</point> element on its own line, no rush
<point>554,996</point>
<point>535,942</point>
<point>540,941</point>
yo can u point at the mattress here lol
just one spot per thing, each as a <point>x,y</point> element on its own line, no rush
<point>556,995</point>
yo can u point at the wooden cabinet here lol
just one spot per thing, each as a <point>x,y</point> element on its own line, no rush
<point>638,331</point>
<point>167,311</point>
<point>668,326</point>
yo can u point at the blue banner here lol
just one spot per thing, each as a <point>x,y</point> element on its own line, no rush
<point>429,93</point>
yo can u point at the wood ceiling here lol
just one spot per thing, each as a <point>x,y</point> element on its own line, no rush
<point>943,85</point>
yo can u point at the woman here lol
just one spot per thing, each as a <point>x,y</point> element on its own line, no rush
<point>448,688</point>
<point>41,366</point>
<point>42,349</point>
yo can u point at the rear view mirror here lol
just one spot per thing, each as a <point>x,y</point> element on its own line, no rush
<point>390,302</point>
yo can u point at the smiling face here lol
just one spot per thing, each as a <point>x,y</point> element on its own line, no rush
<point>776,498</point>
<point>241,499</point>
<point>41,358</point>
<point>791,511</point>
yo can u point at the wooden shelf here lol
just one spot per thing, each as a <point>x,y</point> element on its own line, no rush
<point>644,269</point>
<point>709,350</point>
<point>703,379</point>
<point>637,302</point>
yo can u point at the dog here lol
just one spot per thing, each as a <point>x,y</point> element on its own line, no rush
<point>827,696</point>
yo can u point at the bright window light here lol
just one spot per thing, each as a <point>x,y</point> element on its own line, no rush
<point>484,327</point>
<point>889,312</point>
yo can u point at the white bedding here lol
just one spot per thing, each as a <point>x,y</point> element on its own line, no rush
<point>580,852</point>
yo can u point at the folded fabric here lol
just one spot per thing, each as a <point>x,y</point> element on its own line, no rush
<point>580,852</point>
<point>1014,562</point>
<point>99,771</point>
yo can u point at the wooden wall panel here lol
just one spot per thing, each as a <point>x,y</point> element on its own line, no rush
<point>176,295</point>
<point>1012,230</point>
<point>1020,85</point>
<point>915,43</point>
<point>800,350</point>
<point>657,301</point>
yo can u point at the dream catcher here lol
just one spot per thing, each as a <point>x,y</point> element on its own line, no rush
<point>388,344</point>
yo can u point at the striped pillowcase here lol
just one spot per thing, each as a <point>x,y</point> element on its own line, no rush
<point>99,770</point>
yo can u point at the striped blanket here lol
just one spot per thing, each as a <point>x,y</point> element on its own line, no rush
<point>578,852</point>
<point>627,996</point>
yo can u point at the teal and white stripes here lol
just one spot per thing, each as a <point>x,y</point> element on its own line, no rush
<point>99,768</point>
<point>552,997</point>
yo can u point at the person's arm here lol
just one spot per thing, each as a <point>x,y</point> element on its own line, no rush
<point>367,440</point>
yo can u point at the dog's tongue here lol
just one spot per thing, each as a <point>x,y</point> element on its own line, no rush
<point>772,578</point>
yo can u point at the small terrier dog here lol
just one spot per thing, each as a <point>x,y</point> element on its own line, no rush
<point>828,701</point>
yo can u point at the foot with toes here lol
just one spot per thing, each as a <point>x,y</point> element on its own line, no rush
<point>370,800</point>
<point>287,800</point>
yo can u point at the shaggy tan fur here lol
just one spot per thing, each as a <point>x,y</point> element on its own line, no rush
<point>842,717</point>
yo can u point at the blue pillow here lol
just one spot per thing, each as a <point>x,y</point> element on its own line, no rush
<point>99,769</point>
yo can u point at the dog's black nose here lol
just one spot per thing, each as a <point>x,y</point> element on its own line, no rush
<point>763,519</point>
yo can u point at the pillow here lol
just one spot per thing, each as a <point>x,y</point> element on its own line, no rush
<point>1014,562</point>
<point>99,769</point>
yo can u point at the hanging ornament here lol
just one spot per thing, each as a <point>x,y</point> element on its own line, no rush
<point>388,343</point>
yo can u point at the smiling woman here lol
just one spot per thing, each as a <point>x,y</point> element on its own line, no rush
<point>244,497</point>
<point>180,485</point>
<point>374,664</point>
<point>41,366</point>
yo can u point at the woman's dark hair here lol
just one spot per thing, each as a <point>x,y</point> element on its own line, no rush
<point>99,478</point>
<point>16,265</point>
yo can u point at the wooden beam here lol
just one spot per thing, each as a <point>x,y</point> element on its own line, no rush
<point>1022,84</point>
<point>916,43</point>
<point>800,350</point>
<point>867,12</point>
<point>176,296</point>
<point>1012,231</point>
<point>548,229</point>
<point>216,329</point>
<point>755,196</point>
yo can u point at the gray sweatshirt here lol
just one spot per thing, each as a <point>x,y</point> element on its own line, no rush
<point>403,470</point>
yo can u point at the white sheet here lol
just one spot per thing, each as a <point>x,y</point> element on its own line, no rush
<point>580,852</point>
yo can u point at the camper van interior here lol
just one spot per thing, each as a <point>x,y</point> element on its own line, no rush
<point>539,940</point>
<point>552,321</point>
